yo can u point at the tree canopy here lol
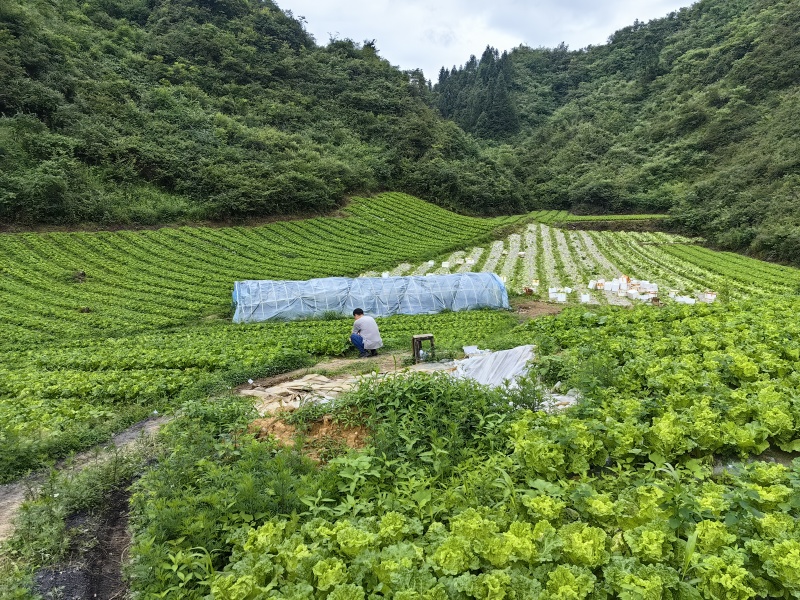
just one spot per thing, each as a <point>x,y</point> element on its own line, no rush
<point>695,113</point>
<point>137,111</point>
<point>154,111</point>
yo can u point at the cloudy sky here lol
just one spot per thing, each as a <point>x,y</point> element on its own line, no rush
<point>430,34</point>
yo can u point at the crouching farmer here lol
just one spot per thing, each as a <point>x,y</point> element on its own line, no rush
<point>365,334</point>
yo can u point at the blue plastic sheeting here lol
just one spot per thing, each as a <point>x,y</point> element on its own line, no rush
<point>379,296</point>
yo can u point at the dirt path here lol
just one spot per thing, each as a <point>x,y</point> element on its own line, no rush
<point>532,309</point>
<point>12,495</point>
<point>384,363</point>
<point>93,568</point>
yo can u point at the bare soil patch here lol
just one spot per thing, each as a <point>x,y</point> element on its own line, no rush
<point>98,551</point>
<point>531,309</point>
<point>321,434</point>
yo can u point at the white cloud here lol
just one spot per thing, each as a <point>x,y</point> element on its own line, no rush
<point>439,36</point>
<point>429,35</point>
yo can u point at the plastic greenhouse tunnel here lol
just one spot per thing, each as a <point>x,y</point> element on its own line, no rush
<point>266,300</point>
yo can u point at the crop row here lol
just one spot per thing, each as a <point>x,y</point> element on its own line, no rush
<point>124,282</point>
<point>46,392</point>
<point>463,495</point>
<point>560,259</point>
<point>740,268</point>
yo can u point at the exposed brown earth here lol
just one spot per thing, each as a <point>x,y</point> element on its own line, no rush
<point>321,433</point>
<point>531,309</point>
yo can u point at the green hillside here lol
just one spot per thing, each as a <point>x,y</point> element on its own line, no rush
<point>158,111</point>
<point>695,113</point>
<point>139,111</point>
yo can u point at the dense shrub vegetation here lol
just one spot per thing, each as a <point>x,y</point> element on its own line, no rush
<point>696,113</point>
<point>152,111</point>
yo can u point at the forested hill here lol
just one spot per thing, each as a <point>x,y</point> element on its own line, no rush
<point>154,111</point>
<point>149,111</point>
<point>697,113</point>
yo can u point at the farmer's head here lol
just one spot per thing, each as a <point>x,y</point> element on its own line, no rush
<point>358,313</point>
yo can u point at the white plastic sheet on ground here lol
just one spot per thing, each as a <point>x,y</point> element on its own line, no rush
<point>378,296</point>
<point>497,368</point>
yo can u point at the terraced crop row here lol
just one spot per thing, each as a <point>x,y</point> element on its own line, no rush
<point>118,283</point>
<point>98,329</point>
<point>571,259</point>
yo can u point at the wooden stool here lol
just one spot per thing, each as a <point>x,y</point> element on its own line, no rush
<point>416,345</point>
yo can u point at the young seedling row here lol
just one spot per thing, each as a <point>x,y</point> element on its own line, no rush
<point>543,258</point>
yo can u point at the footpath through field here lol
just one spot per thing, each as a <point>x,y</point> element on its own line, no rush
<point>12,495</point>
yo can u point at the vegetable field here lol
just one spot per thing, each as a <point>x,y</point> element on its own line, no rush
<point>556,258</point>
<point>100,329</point>
<point>466,493</point>
<point>675,476</point>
